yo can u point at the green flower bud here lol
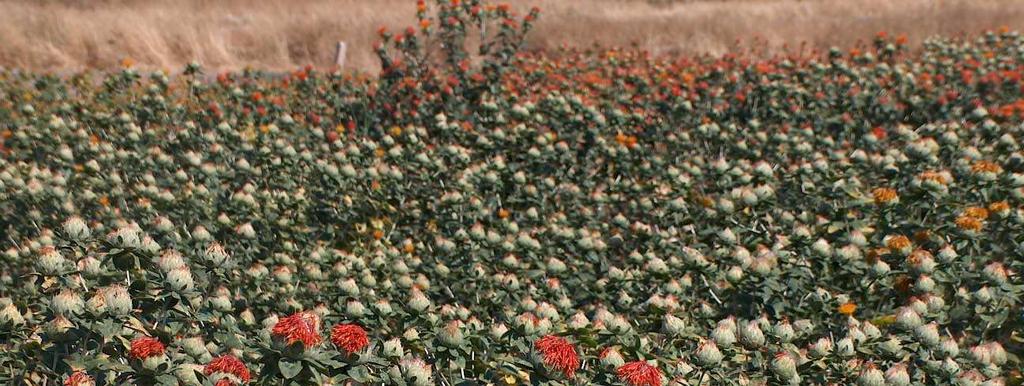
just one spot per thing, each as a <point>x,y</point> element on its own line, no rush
<point>383,307</point>
<point>784,331</point>
<point>870,331</point>
<point>707,354</point>
<point>907,318</point>
<point>349,287</point>
<point>610,358</point>
<point>997,353</point>
<point>750,335</point>
<point>673,326</point>
<point>871,376</point>
<point>51,262</point>
<point>247,317</point>
<point>355,309</point>
<point>11,316</point>
<point>67,302</point>
<point>498,330</point>
<point>784,366</point>
<point>897,375</point>
<point>194,346</point>
<point>418,302</point>
<point>76,229</point>
<point>57,328</point>
<point>411,334</point>
<point>928,334</point>
<point>412,372</point>
<point>118,301</point>
<point>844,347</point>
<point>179,280</point>
<point>393,348</point>
<point>170,260</point>
<point>892,347</point>
<point>90,266</point>
<point>724,335</point>
<point>215,255</point>
<point>451,334</point>
<point>820,348</point>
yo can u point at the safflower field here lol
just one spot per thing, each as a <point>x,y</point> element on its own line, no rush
<point>482,214</point>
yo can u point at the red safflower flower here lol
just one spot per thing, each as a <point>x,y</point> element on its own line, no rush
<point>145,347</point>
<point>349,337</point>
<point>299,327</point>
<point>79,379</point>
<point>558,353</point>
<point>639,373</point>
<point>228,364</point>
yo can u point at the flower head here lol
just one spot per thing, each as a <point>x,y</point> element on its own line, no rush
<point>145,347</point>
<point>969,223</point>
<point>784,365</point>
<point>559,354</point>
<point>639,373</point>
<point>298,327</point>
<point>897,242</point>
<point>79,379</point>
<point>349,337</point>
<point>885,196</point>
<point>986,167</point>
<point>976,212</point>
<point>228,364</point>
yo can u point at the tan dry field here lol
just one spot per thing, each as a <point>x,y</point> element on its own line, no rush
<point>69,35</point>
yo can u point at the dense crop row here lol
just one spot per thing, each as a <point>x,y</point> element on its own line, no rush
<point>502,218</point>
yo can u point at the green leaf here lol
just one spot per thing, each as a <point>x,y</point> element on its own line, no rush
<point>289,369</point>
<point>360,374</point>
<point>166,380</point>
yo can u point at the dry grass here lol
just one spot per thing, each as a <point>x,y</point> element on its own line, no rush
<point>62,35</point>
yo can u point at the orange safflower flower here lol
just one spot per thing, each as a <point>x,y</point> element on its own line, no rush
<point>986,166</point>
<point>999,206</point>
<point>639,373</point>
<point>898,242</point>
<point>969,223</point>
<point>228,364</point>
<point>976,212</point>
<point>559,354</point>
<point>884,195</point>
<point>350,338</point>
<point>79,379</point>
<point>299,327</point>
<point>933,176</point>
<point>145,347</point>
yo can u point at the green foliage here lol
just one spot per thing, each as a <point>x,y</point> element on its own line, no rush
<point>847,219</point>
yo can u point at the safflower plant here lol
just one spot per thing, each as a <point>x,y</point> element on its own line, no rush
<point>482,213</point>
